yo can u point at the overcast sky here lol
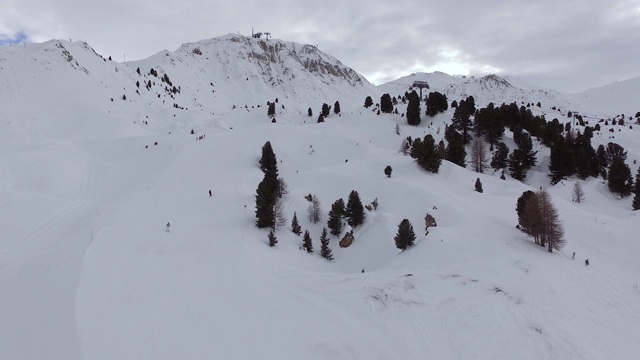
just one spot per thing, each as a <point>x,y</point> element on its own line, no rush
<point>558,44</point>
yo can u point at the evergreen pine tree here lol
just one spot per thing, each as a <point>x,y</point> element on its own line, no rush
<point>354,211</point>
<point>602,160</point>
<point>307,244</point>
<point>295,225</point>
<point>500,156</point>
<point>310,112</point>
<point>266,194</point>
<point>523,140</point>
<point>368,102</point>
<point>335,217</point>
<point>268,162</point>
<point>561,163</point>
<point>272,239</point>
<point>386,105</point>
<point>461,120</point>
<point>478,185</point>
<point>635,204</point>
<point>325,110</point>
<point>388,170</point>
<point>336,107</point>
<point>405,237</point>
<point>413,109</point>
<point>456,152</point>
<point>516,165</point>
<point>620,180</point>
<point>265,201</point>
<point>521,207</point>
<point>426,154</point>
<point>325,250</point>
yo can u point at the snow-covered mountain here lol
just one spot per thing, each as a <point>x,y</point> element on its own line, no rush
<point>87,185</point>
<point>70,80</point>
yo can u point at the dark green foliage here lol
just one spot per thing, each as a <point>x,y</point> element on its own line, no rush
<point>268,189</point>
<point>272,239</point>
<point>454,104</point>
<point>124,97</point>
<point>271,109</point>
<point>386,105</point>
<point>325,250</point>
<point>368,102</point>
<point>295,225</point>
<point>268,162</point>
<point>137,84</point>
<point>488,122</point>
<point>325,110</point>
<point>336,214</point>
<point>602,160</point>
<point>307,244</point>
<point>388,170</point>
<point>310,112</point>
<point>405,237</point>
<point>620,179</point>
<point>561,164</point>
<point>354,211</point>
<point>478,185</point>
<point>426,154</point>
<point>635,204</point>
<point>265,201</point>
<point>523,140</point>
<point>521,206</point>
<point>500,156</point>
<point>516,165</point>
<point>320,118</point>
<point>551,132</point>
<point>437,103</point>
<point>615,151</point>
<point>583,163</point>
<point>413,109</point>
<point>138,71</point>
<point>336,108</point>
<point>455,152</point>
<point>461,119</point>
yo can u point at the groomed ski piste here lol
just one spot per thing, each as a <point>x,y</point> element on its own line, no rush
<point>88,271</point>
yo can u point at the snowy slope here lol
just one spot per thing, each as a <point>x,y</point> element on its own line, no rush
<point>613,99</point>
<point>88,271</point>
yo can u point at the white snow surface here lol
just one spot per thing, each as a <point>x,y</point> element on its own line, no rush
<point>87,270</point>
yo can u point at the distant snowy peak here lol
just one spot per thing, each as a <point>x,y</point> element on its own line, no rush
<point>250,69</point>
<point>273,57</point>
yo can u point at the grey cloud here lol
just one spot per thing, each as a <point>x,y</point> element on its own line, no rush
<point>568,45</point>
